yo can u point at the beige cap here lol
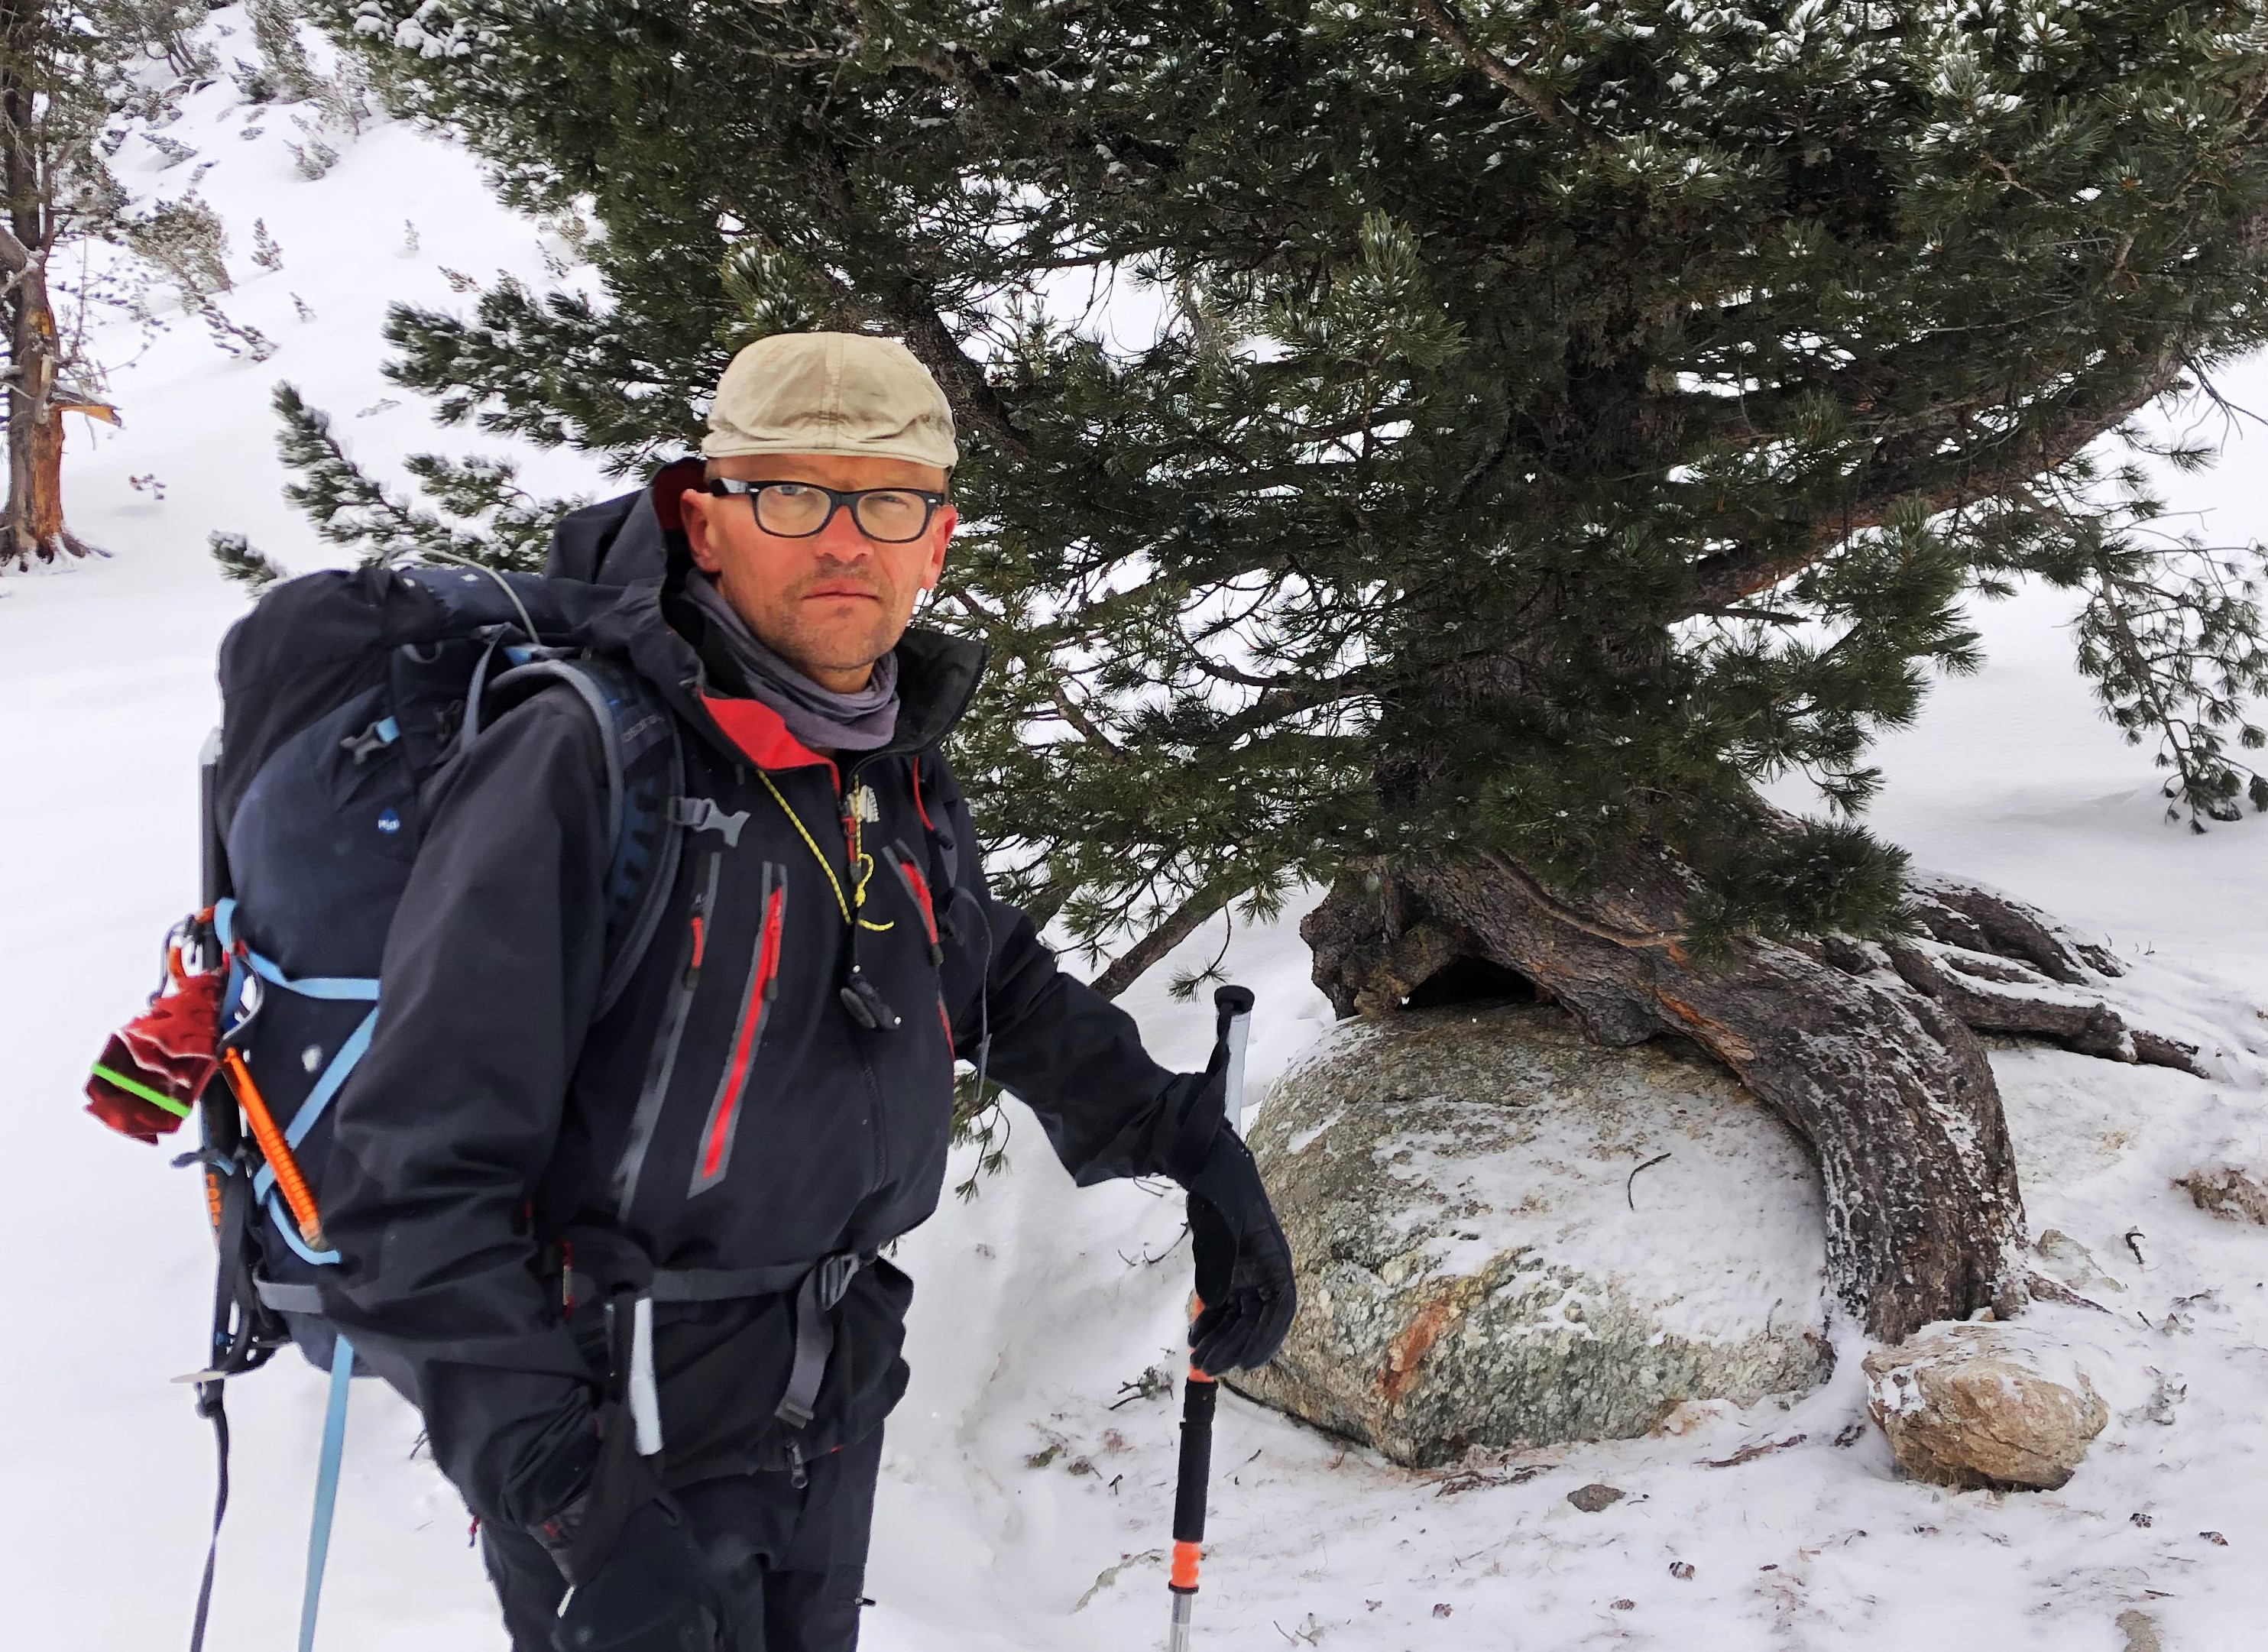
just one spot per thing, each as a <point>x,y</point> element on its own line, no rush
<point>831,392</point>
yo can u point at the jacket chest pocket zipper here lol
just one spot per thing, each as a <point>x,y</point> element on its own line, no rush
<point>714,1152</point>
<point>924,899</point>
<point>663,1065</point>
<point>917,890</point>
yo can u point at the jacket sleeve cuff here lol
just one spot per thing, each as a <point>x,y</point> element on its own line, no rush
<point>1197,1106</point>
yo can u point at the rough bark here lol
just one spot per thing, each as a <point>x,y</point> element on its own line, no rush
<point>1870,1052</point>
<point>32,521</point>
<point>33,515</point>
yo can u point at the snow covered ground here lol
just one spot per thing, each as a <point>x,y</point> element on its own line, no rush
<point>1025,1499</point>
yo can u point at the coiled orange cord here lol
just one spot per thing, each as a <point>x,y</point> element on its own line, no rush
<point>277,1151</point>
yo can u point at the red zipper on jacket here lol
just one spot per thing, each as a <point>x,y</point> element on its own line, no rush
<point>764,986</point>
<point>917,886</point>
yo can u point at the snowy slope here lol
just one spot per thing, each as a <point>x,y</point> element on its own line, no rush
<point>1020,1509</point>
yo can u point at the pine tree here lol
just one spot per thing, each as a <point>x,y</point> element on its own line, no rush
<point>1452,450</point>
<point>62,77</point>
<point>484,515</point>
<point>77,80</point>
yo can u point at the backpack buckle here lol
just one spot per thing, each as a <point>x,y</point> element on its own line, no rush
<point>702,815</point>
<point>377,737</point>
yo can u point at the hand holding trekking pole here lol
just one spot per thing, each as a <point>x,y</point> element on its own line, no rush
<point>1245,1298</point>
<point>1243,1266</point>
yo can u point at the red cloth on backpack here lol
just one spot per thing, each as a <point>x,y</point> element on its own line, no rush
<point>172,1049</point>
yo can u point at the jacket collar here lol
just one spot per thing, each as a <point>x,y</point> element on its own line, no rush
<point>937,674</point>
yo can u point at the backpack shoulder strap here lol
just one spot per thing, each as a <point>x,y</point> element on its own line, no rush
<point>645,769</point>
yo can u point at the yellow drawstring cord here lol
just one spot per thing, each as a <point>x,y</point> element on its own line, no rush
<point>865,862</point>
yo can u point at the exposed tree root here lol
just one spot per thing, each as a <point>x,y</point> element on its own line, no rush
<point>2005,966</point>
<point>1869,1049</point>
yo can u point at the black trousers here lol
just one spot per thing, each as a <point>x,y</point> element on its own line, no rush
<point>795,1560</point>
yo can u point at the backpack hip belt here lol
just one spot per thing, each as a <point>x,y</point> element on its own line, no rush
<point>601,1265</point>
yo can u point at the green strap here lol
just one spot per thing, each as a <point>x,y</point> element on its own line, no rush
<point>133,1086</point>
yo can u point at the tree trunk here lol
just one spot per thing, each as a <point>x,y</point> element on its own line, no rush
<point>34,521</point>
<point>35,512</point>
<point>1868,1052</point>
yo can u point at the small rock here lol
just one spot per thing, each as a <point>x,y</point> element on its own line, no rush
<point>1623,1605</point>
<point>1442,1609</point>
<point>2215,1538</point>
<point>1592,1498</point>
<point>1985,1407</point>
<point>2140,1519</point>
<point>2166,1394</point>
<point>2142,1632</point>
<point>2072,1263</point>
<point>2233,1194</point>
<point>1682,1570</point>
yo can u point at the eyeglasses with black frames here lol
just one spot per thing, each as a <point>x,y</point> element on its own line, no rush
<point>798,510</point>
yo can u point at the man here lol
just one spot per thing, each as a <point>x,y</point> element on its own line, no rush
<point>627,1263</point>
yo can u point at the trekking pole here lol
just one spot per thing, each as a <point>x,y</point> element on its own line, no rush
<point>1234,1006</point>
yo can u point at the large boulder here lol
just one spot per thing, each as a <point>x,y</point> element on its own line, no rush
<point>1985,1407</point>
<point>1508,1236</point>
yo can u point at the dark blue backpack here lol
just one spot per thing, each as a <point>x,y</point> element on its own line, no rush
<point>345,696</point>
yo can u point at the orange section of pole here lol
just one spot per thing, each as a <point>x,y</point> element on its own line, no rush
<point>277,1151</point>
<point>1184,1575</point>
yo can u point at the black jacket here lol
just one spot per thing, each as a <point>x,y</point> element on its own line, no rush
<point>728,1111</point>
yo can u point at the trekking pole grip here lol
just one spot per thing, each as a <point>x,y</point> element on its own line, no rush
<point>1191,1484</point>
<point>1193,1481</point>
<point>1232,1029</point>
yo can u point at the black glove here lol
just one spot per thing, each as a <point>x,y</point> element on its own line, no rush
<point>654,1592</point>
<point>1244,1267</point>
<point>641,1584</point>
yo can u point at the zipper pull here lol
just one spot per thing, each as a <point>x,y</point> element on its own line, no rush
<point>700,936</point>
<point>867,1007</point>
<point>796,1477</point>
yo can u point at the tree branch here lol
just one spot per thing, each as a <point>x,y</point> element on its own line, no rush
<point>1071,713</point>
<point>1730,577</point>
<point>1130,966</point>
<point>1447,27</point>
<point>1278,704</point>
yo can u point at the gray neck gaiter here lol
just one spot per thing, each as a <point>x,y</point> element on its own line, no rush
<point>820,717</point>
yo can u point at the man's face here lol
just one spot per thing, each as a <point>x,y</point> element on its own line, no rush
<point>834,602</point>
